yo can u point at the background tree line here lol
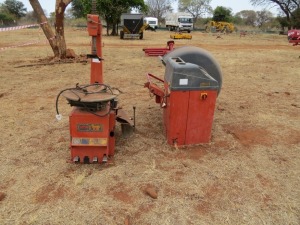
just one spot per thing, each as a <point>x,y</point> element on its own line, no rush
<point>11,11</point>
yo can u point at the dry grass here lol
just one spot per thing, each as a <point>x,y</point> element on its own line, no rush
<point>248,174</point>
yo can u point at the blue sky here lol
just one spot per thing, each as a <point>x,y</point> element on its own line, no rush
<point>235,5</point>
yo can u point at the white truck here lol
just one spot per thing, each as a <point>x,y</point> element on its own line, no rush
<point>179,22</point>
<point>152,21</point>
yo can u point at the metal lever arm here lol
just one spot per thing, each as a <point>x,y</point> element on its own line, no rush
<point>154,89</point>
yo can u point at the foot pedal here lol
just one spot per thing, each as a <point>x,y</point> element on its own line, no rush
<point>76,159</point>
<point>104,160</point>
<point>95,159</point>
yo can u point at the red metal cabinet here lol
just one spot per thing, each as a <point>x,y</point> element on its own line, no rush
<point>188,116</point>
<point>92,137</point>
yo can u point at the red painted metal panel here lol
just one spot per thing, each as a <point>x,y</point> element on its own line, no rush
<point>188,116</point>
<point>111,136</point>
<point>80,117</point>
<point>88,127</point>
<point>175,117</point>
<point>200,116</point>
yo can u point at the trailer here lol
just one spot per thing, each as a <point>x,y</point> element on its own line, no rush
<point>179,22</point>
<point>132,26</point>
<point>152,22</point>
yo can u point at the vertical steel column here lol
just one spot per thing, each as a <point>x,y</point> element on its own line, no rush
<point>95,30</point>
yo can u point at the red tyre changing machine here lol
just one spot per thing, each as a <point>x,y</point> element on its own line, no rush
<point>187,95</point>
<point>95,112</point>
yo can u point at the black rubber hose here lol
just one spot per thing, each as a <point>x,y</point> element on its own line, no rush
<point>82,88</point>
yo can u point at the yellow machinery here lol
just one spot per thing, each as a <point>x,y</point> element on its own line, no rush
<point>224,27</point>
<point>181,36</point>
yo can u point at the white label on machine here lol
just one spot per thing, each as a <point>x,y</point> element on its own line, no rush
<point>183,81</point>
<point>96,60</point>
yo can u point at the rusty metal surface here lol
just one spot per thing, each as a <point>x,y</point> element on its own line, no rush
<point>89,94</point>
<point>122,117</point>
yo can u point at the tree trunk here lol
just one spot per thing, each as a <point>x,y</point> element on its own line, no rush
<point>286,11</point>
<point>57,40</point>
<point>107,30</point>
<point>107,25</point>
<point>114,30</point>
<point>60,7</point>
<point>46,27</point>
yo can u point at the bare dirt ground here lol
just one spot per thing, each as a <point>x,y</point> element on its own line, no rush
<point>248,174</point>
